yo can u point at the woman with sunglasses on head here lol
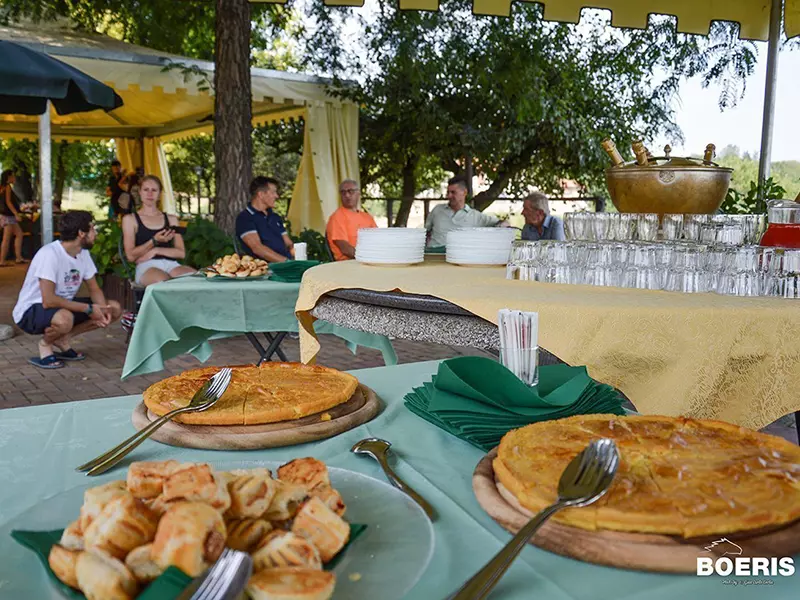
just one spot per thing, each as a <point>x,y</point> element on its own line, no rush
<point>150,238</point>
<point>9,218</point>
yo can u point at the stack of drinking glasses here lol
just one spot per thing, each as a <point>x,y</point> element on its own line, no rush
<point>675,266</point>
<point>731,230</point>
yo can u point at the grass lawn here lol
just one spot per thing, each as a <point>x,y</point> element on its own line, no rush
<point>82,200</point>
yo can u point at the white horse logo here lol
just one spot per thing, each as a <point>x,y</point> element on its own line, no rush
<point>731,548</point>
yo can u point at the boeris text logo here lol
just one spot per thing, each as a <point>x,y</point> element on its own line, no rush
<point>731,562</point>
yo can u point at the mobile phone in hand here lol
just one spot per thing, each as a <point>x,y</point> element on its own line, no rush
<point>179,230</point>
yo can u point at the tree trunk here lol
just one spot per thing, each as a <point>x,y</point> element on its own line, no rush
<point>409,191</point>
<point>233,147</point>
<point>61,175</point>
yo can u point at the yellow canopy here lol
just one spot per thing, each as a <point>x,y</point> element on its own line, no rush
<point>694,16</point>
<point>169,97</point>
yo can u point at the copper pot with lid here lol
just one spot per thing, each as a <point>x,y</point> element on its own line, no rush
<point>666,184</point>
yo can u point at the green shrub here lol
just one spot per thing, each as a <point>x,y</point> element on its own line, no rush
<point>315,240</point>
<point>105,251</point>
<point>736,203</point>
<point>205,243</point>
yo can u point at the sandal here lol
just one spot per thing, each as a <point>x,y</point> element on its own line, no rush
<point>48,362</point>
<point>69,354</point>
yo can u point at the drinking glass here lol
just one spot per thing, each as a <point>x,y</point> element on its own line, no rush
<point>647,226</point>
<point>626,228</point>
<point>601,224</point>
<point>672,226</point>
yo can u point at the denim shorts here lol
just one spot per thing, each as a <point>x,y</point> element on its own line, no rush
<point>38,318</point>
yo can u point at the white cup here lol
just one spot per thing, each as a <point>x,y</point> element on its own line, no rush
<point>301,251</point>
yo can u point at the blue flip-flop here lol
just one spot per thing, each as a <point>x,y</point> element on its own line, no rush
<point>69,355</point>
<point>48,362</point>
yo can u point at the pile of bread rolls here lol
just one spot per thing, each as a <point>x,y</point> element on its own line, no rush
<point>232,265</point>
<point>183,515</point>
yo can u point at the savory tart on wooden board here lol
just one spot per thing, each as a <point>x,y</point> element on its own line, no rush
<point>270,393</point>
<point>677,476</point>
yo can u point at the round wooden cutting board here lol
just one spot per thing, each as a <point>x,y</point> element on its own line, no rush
<point>639,551</point>
<point>362,407</point>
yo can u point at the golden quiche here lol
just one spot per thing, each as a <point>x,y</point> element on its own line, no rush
<point>267,394</point>
<point>676,476</point>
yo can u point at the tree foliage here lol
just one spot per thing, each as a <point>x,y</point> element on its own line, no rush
<point>529,99</point>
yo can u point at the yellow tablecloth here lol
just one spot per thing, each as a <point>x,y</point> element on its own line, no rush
<point>699,355</point>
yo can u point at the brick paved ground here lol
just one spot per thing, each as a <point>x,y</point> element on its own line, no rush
<point>22,384</point>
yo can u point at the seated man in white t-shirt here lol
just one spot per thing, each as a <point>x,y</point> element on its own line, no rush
<point>47,304</point>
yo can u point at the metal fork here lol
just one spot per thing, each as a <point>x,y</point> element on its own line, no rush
<point>204,399</point>
<point>586,478</point>
<point>226,579</point>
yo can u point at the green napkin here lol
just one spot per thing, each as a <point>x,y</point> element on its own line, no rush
<point>168,585</point>
<point>291,271</point>
<point>478,400</point>
<point>436,250</point>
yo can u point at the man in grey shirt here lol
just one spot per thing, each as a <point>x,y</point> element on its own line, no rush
<point>539,223</point>
<point>456,214</point>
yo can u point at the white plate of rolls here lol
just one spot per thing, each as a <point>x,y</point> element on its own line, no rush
<point>291,518</point>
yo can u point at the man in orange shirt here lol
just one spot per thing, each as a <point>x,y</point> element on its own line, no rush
<point>343,226</point>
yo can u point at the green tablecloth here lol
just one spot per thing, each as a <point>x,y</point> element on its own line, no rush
<point>181,316</point>
<point>42,445</point>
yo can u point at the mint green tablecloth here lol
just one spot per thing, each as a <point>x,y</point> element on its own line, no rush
<point>181,316</point>
<point>42,445</point>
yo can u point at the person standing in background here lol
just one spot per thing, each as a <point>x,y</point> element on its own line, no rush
<point>114,188</point>
<point>9,218</point>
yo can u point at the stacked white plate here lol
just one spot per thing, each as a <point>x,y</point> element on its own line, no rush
<point>392,246</point>
<point>480,245</point>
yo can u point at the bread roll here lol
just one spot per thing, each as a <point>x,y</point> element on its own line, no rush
<point>95,499</point>
<point>331,498</point>
<point>286,501</point>
<point>140,562</point>
<point>322,527</point>
<point>245,534</point>
<point>197,483</point>
<point>285,549</point>
<point>251,495</point>
<point>307,472</point>
<point>146,478</point>
<point>103,577</point>
<point>291,583</point>
<point>72,538</point>
<point>62,562</point>
<point>190,536</point>
<point>124,524</point>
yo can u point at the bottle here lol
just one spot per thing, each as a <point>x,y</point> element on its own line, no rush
<point>641,153</point>
<point>613,153</point>
<point>709,154</point>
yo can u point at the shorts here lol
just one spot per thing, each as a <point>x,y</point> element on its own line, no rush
<point>6,220</point>
<point>165,264</point>
<point>37,318</point>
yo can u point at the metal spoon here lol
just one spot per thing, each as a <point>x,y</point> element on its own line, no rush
<point>379,449</point>
<point>586,478</point>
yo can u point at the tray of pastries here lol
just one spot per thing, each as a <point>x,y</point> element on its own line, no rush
<point>233,266</point>
<point>168,514</point>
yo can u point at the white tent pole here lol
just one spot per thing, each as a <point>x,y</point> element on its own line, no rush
<point>46,185</point>
<point>769,97</point>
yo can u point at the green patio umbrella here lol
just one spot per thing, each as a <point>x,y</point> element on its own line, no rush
<point>31,78</point>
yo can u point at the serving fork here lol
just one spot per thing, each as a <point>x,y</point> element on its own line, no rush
<point>204,398</point>
<point>586,478</point>
<point>225,580</point>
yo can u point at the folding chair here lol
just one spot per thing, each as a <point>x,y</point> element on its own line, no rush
<point>136,289</point>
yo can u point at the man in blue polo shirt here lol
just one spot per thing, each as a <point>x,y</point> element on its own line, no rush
<point>539,223</point>
<point>260,228</point>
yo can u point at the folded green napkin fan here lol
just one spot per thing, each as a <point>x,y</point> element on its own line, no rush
<point>479,400</point>
<point>169,584</point>
<point>291,271</point>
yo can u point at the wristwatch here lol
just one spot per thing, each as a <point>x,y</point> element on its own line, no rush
<point>89,310</point>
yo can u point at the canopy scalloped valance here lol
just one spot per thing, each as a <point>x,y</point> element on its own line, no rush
<point>694,16</point>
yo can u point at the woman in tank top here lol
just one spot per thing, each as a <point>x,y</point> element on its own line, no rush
<point>9,218</point>
<point>149,240</point>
